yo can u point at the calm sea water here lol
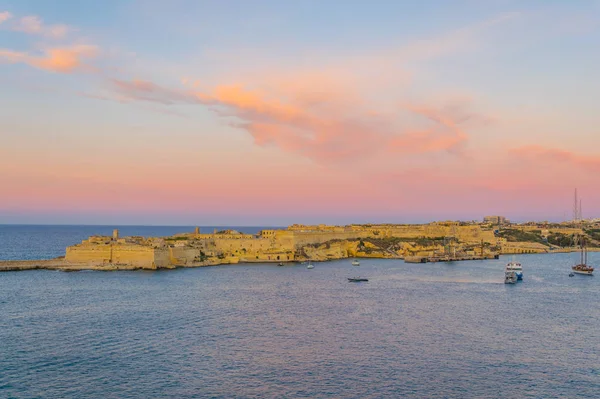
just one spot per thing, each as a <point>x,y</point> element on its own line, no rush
<point>450,330</point>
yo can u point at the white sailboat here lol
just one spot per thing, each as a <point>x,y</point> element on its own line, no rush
<point>310,265</point>
<point>583,267</point>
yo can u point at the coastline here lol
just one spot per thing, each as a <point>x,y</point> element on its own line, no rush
<point>60,264</point>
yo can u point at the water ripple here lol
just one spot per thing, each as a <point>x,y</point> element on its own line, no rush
<point>436,331</point>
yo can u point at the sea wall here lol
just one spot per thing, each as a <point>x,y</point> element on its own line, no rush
<point>138,256</point>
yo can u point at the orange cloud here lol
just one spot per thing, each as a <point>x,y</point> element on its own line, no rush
<point>60,59</point>
<point>337,132</point>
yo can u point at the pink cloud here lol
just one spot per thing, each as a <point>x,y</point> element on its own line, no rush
<point>339,132</point>
<point>33,25</point>
<point>58,59</point>
<point>558,158</point>
<point>5,16</point>
<point>148,91</point>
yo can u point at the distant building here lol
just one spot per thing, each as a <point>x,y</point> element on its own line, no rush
<point>496,220</point>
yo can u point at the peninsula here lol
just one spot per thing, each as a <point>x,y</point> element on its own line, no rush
<point>437,241</point>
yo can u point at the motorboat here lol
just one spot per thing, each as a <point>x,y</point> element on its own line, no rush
<point>515,267</point>
<point>510,277</point>
<point>357,279</point>
<point>355,263</point>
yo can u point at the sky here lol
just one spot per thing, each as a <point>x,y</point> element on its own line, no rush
<point>272,113</point>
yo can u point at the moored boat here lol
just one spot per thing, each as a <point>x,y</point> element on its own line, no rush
<point>357,279</point>
<point>583,268</point>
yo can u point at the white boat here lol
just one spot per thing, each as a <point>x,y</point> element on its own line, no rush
<point>516,267</point>
<point>310,266</point>
<point>355,263</point>
<point>583,267</point>
<point>510,277</point>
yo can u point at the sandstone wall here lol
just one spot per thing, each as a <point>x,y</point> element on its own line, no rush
<point>103,254</point>
<point>523,248</point>
<point>89,254</point>
<point>181,256</point>
<point>162,257</point>
<point>135,255</point>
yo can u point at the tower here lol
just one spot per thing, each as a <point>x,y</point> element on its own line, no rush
<point>580,210</point>
<point>115,236</point>
<point>575,207</point>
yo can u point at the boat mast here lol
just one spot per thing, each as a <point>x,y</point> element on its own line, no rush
<point>582,246</point>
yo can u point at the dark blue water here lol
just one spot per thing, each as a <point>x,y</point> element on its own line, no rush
<point>22,242</point>
<point>255,331</point>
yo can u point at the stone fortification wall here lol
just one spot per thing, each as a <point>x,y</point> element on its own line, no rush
<point>523,248</point>
<point>115,253</point>
<point>135,255</point>
<point>181,256</point>
<point>89,254</point>
<point>247,246</point>
<point>162,257</point>
<point>270,245</point>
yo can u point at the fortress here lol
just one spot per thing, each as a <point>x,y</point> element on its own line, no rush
<point>438,241</point>
<point>296,243</point>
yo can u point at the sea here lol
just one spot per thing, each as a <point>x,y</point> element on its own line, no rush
<point>438,330</point>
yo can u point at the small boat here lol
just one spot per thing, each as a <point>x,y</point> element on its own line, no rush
<point>357,279</point>
<point>355,263</point>
<point>310,266</point>
<point>280,264</point>
<point>583,267</point>
<point>571,274</point>
<point>515,267</point>
<point>510,277</point>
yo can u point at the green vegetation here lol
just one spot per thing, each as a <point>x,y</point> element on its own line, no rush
<point>201,258</point>
<point>562,240</point>
<point>593,233</point>
<point>522,236</point>
<point>179,238</point>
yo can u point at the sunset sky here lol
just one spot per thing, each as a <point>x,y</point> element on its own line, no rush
<point>273,112</point>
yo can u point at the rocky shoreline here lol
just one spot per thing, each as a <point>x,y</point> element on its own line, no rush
<point>60,264</point>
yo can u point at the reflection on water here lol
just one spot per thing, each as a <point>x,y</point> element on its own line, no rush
<point>414,330</point>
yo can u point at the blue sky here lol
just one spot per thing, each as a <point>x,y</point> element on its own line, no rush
<point>269,112</point>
